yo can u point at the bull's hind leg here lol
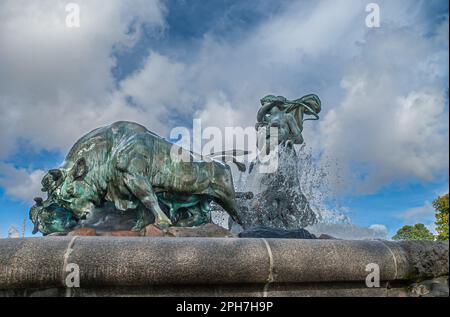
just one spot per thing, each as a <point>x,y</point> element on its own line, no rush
<point>141,187</point>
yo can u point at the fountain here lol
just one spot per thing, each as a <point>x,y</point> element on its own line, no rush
<point>123,180</point>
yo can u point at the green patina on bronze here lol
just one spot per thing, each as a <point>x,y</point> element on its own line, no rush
<point>287,115</point>
<point>128,165</point>
<point>124,168</point>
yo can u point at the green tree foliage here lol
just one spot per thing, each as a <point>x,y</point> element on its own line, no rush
<point>441,206</point>
<point>416,232</point>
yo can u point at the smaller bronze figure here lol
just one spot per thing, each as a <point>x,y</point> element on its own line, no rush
<point>288,116</point>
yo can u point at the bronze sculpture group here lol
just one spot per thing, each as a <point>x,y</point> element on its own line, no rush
<point>125,169</point>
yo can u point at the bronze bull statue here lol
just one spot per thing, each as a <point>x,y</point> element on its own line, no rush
<point>133,169</point>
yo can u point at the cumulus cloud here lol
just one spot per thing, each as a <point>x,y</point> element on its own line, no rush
<point>283,55</point>
<point>418,214</point>
<point>384,94</point>
<point>56,82</point>
<point>158,89</point>
<point>21,184</point>
<point>393,122</point>
<point>13,232</point>
<point>378,228</point>
<point>384,91</point>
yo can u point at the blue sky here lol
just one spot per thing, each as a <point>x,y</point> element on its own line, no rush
<point>161,63</point>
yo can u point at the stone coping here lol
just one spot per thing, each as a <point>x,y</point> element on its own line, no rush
<point>126,262</point>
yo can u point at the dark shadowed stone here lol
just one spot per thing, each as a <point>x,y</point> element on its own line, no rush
<point>220,266</point>
<point>208,230</point>
<point>437,287</point>
<point>426,259</point>
<point>317,260</point>
<point>32,262</point>
<point>147,261</point>
<point>266,232</point>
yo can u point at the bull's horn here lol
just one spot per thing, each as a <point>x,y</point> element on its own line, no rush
<point>233,152</point>
<point>241,166</point>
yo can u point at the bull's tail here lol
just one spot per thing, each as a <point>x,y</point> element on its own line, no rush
<point>231,208</point>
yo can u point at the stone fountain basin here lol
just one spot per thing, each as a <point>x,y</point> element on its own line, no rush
<point>161,266</point>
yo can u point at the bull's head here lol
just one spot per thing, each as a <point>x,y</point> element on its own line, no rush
<point>70,197</point>
<point>77,193</point>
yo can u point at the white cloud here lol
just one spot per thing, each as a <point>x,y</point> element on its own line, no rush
<point>41,58</point>
<point>158,89</point>
<point>383,90</point>
<point>55,81</point>
<point>418,214</point>
<point>20,184</point>
<point>13,232</point>
<point>229,77</point>
<point>389,115</point>
<point>393,121</point>
<point>378,228</point>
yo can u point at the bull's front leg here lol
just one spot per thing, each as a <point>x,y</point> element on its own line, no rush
<point>141,187</point>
